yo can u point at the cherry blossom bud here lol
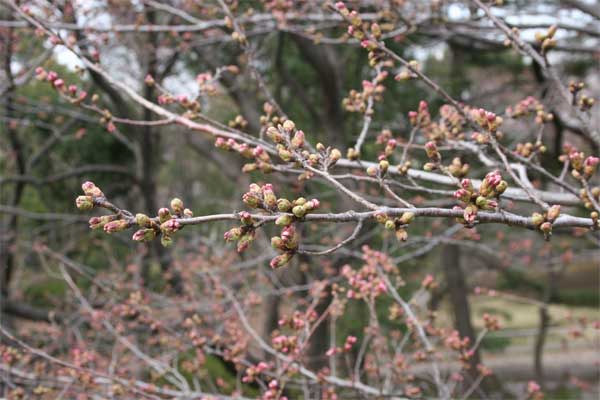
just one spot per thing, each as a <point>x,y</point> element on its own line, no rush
<point>143,220</point>
<point>144,235</point>
<point>170,226</point>
<point>269,197</point>
<point>390,225</point>
<point>84,203</point>
<point>177,206</point>
<point>149,80</point>
<point>245,241</point>
<point>284,220</point>
<point>99,222</point>
<point>352,154</point>
<point>372,171</point>
<point>312,204</point>
<point>274,134</point>
<point>501,187</point>
<point>188,213</point>
<point>429,166</point>
<point>90,189</point>
<point>462,195</point>
<point>164,215</point>
<point>298,140</point>
<point>277,243</point>
<point>166,240</point>
<point>233,234</point>
<point>467,184</point>
<point>537,219</point>
<point>289,126</point>
<point>407,218</point>
<point>281,260</point>
<point>246,218</point>
<point>251,200</point>
<point>116,226</point>
<point>546,227</point>
<point>470,213</point>
<point>334,156</point>
<point>284,205</point>
<point>299,211</point>
<point>383,166</point>
<point>553,213</point>
<point>401,235</point>
<point>589,166</point>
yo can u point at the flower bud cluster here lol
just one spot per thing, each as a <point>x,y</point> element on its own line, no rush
<point>486,198</point>
<point>544,221</point>
<point>546,40</point>
<point>408,72</point>
<point>357,100</point>
<point>397,224</point>
<point>582,167</point>
<point>528,106</point>
<point>422,117</point>
<point>366,283</point>
<point>486,119</point>
<point>70,92</point>
<point>254,371</point>
<point>529,149</point>
<point>348,343</point>
<point>262,160</point>
<point>491,323</point>
<point>206,83</point>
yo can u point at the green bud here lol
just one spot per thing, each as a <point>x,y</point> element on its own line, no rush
<point>166,240</point>
<point>284,220</point>
<point>407,218</point>
<point>277,243</point>
<point>164,215</point>
<point>143,220</point>
<point>389,224</point>
<point>501,187</point>
<point>300,201</point>
<point>177,206</point>
<point>537,219</point>
<point>84,203</point>
<point>299,211</point>
<point>284,205</point>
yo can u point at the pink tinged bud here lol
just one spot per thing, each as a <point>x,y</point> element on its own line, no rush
<point>149,80</point>
<point>116,226</point>
<point>246,218</point>
<point>467,184</point>
<point>591,161</point>
<point>423,106</point>
<point>340,5</point>
<point>462,195</point>
<point>58,83</point>
<point>298,139</point>
<point>52,76</point>
<point>72,90</point>
<point>90,189</point>
<point>469,214</point>
<point>164,214</point>
<point>170,226</point>
<point>281,260</point>
<point>144,235</point>
<point>233,234</point>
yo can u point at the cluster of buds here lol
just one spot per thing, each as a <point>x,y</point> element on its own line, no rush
<point>165,224</point>
<point>254,372</point>
<point>422,117</point>
<point>544,221</point>
<point>206,83</point>
<point>350,341</point>
<point>298,320</point>
<point>244,234</point>
<point>386,138</point>
<point>453,341</point>
<point>287,244</point>
<point>262,161</point>
<point>486,119</point>
<point>92,194</point>
<point>397,224</point>
<point>71,92</point>
<point>452,123</point>
<point>408,72</point>
<point>429,282</point>
<point>457,168</point>
<point>261,197</point>
<point>486,198</point>
<point>285,344</point>
<point>491,323</point>
<point>274,391</point>
<point>529,149</point>
<point>357,100</point>
<point>583,101</point>
<point>582,167</point>
<point>530,105</point>
<point>366,283</point>
<point>239,122</point>
<point>546,40</point>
